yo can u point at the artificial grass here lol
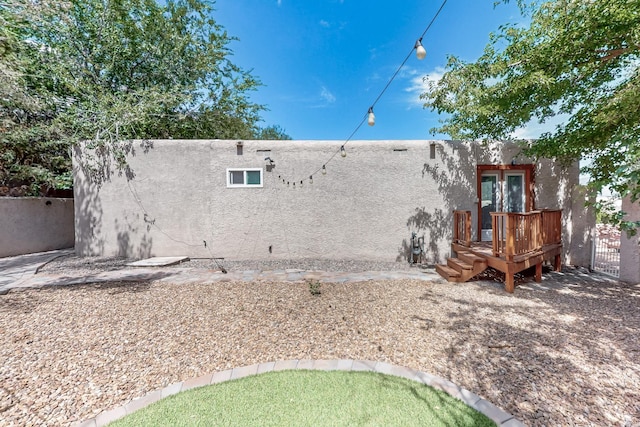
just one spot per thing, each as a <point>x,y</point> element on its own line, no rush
<point>310,398</point>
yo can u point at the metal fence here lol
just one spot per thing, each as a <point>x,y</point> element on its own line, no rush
<point>605,254</point>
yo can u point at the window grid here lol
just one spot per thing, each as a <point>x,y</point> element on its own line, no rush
<point>244,177</point>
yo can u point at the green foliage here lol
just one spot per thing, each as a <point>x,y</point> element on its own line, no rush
<point>271,133</point>
<point>108,72</point>
<point>608,213</point>
<point>314,287</point>
<point>578,59</point>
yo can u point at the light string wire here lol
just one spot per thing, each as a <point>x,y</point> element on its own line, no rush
<point>151,222</point>
<point>364,118</point>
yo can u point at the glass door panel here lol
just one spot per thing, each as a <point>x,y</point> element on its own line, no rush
<point>488,202</point>
<point>514,192</point>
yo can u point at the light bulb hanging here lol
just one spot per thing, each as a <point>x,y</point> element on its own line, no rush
<point>324,170</point>
<point>300,183</point>
<point>372,117</point>
<point>421,52</point>
<point>310,179</point>
<point>343,152</point>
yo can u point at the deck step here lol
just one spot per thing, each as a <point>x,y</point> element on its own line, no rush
<point>466,266</point>
<point>458,264</point>
<point>470,258</point>
<point>448,273</point>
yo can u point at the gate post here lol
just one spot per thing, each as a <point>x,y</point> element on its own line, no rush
<point>630,247</point>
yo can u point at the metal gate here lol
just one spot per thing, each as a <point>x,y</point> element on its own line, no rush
<point>605,254</point>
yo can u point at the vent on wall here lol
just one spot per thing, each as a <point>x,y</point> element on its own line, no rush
<point>399,149</point>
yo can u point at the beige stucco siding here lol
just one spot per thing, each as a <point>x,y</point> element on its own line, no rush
<point>35,224</point>
<point>630,245</point>
<point>365,207</point>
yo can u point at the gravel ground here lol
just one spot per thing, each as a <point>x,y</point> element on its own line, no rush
<point>566,353</point>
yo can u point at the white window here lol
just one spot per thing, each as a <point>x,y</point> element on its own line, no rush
<point>248,177</point>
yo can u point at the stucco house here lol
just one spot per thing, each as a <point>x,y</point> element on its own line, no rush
<point>271,199</point>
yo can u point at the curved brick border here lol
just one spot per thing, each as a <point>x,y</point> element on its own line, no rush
<point>499,416</point>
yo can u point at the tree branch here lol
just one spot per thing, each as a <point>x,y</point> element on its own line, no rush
<point>614,53</point>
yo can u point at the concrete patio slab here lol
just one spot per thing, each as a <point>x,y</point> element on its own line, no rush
<point>159,261</point>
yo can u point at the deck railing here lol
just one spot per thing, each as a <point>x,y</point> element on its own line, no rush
<point>521,233</point>
<point>551,226</point>
<point>462,228</point>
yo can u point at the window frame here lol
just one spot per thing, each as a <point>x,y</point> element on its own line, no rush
<point>244,176</point>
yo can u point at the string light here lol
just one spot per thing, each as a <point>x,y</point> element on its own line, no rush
<point>370,117</point>
<point>421,52</point>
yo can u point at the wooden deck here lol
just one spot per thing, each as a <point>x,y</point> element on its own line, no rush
<point>519,241</point>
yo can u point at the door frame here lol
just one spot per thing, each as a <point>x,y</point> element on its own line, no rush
<point>529,180</point>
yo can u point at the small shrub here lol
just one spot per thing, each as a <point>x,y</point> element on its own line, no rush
<point>314,287</point>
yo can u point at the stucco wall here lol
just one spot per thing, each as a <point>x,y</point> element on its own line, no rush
<point>31,225</point>
<point>365,207</point>
<point>630,246</point>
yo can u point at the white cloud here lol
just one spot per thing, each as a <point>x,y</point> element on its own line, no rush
<point>527,132</point>
<point>533,129</point>
<point>419,84</point>
<point>324,23</point>
<point>327,96</point>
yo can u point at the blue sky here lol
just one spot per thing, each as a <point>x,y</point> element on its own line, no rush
<point>324,62</point>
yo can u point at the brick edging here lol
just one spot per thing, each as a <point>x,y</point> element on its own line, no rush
<point>500,417</point>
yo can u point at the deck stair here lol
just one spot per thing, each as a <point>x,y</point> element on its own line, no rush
<point>519,241</point>
<point>462,268</point>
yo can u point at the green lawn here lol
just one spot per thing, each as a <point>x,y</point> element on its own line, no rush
<point>310,398</point>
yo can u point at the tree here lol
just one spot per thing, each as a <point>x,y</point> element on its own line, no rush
<point>29,148</point>
<point>578,60</point>
<point>274,132</point>
<point>108,72</point>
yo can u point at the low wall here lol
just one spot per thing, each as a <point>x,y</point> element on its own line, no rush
<point>630,246</point>
<point>35,224</point>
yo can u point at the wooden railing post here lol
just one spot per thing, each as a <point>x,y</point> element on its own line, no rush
<point>510,245</point>
<point>497,235</point>
<point>539,231</point>
<point>462,227</point>
<point>467,229</point>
